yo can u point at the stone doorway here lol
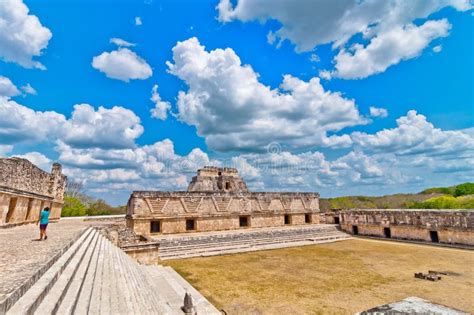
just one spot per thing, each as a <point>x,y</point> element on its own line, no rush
<point>387,233</point>
<point>190,224</point>
<point>336,220</point>
<point>307,218</point>
<point>243,221</point>
<point>355,230</point>
<point>287,219</point>
<point>28,210</point>
<point>434,236</point>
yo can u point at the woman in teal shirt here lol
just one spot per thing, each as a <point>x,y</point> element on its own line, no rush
<point>43,221</point>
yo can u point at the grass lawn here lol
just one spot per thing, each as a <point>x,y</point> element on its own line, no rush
<point>335,278</point>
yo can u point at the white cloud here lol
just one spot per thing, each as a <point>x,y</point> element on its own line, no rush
<point>117,127</point>
<point>106,128</point>
<point>415,135</point>
<point>22,37</point>
<point>28,89</point>
<point>378,112</point>
<point>161,107</point>
<point>437,48</point>
<point>311,23</point>
<point>122,64</point>
<point>37,159</point>
<point>22,124</point>
<point>308,24</point>
<point>121,43</point>
<point>7,88</point>
<point>138,21</point>
<point>387,49</point>
<point>234,111</point>
<point>314,58</point>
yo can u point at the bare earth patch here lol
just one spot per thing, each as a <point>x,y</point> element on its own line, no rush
<point>337,278</point>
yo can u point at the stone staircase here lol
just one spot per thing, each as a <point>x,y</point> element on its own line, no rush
<point>227,242</point>
<point>95,277</point>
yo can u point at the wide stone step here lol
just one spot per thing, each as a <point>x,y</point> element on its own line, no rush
<point>233,249</point>
<point>53,299</point>
<point>218,241</point>
<point>249,235</point>
<point>32,298</point>
<point>211,243</point>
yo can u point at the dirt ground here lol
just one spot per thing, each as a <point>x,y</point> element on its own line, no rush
<point>334,278</point>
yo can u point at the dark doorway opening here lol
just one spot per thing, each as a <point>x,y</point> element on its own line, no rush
<point>387,233</point>
<point>307,218</point>
<point>11,209</point>
<point>227,185</point>
<point>336,220</point>
<point>287,219</point>
<point>243,221</point>
<point>190,225</point>
<point>155,227</point>
<point>355,230</point>
<point>434,236</point>
<point>219,173</point>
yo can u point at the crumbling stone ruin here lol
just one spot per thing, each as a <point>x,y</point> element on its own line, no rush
<point>454,227</point>
<point>25,189</point>
<point>212,178</point>
<point>217,199</point>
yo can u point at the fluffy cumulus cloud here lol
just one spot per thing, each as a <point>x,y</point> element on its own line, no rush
<point>154,166</point>
<point>388,48</point>
<point>22,36</point>
<point>7,88</point>
<point>308,24</point>
<point>233,110</point>
<point>415,135</point>
<point>19,123</point>
<point>122,64</point>
<point>105,128</point>
<point>161,109</point>
<point>116,127</point>
<point>378,112</point>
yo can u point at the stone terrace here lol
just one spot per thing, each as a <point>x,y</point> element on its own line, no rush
<point>22,256</point>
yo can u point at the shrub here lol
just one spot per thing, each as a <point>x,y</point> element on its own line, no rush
<point>464,189</point>
<point>73,207</point>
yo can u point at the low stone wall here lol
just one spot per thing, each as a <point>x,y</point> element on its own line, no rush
<point>438,226</point>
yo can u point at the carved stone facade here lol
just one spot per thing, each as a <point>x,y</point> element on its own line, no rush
<point>438,226</point>
<point>152,212</point>
<point>25,189</point>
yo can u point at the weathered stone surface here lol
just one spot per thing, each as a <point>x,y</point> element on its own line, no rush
<point>212,178</point>
<point>25,189</point>
<point>155,212</point>
<point>443,226</point>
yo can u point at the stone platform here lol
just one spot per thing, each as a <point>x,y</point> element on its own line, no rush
<point>231,242</point>
<point>93,276</point>
<point>23,257</point>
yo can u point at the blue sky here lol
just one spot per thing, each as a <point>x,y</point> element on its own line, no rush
<point>283,92</point>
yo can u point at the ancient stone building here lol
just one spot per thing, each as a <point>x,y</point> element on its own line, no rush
<point>218,179</point>
<point>25,189</point>
<point>437,226</point>
<point>217,199</point>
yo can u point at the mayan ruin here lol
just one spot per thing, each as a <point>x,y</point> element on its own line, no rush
<point>25,189</point>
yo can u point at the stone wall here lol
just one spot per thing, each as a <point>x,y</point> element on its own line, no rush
<point>214,211</point>
<point>217,179</point>
<point>443,226</point>
<point>25,189</point>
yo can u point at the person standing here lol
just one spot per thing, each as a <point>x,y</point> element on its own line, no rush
<point>43,222</point>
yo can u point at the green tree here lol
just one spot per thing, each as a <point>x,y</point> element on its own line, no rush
<point>73,207</point>
<point>464,189</point>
